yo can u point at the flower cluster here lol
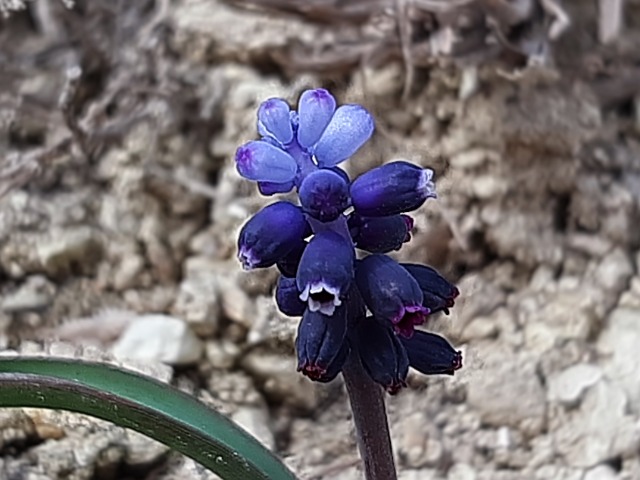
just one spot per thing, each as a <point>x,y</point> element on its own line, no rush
<point>371,305</point>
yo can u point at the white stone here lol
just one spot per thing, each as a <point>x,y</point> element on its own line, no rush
<point>618,346</point>
<point>601,472</point>
<point>599,430</point>
<point>488,186</point>
<point>235,303</point>
<point>568,313</point>
<point>422,474</point>
<point>222,353</point>
<point>461,471</point>
<point>159,338</point>
<point>197,302</point>
<point>557,472</point>
<point>568,386</point>
<point>36,293</point>
<point>542,451</point>
<point>614,271</point>
<point>128,271</point>
<point>280,381</point>
<point>416,443</point>
<point>505,389</point>
<point>479,328</point>
<point>631,298</point>
<point>539,337</point>
<point>474,158</point>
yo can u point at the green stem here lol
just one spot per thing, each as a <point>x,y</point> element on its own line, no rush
<point>370,418</point>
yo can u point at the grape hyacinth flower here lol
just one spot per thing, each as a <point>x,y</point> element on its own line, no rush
<point>368,307</point>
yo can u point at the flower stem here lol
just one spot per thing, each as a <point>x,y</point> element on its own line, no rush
<point>370,417</point>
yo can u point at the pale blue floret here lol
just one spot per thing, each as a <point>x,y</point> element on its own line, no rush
<point>315,109</point>
<point>294,144</point>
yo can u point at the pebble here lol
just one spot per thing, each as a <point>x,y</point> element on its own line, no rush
<point>601,472</point>
<point>197,303</point>
<point>618,346</point>
<point>69,249</point>
<point>631,298</point>
<point>416,443</point>
<point>127,272</point>
<point>488,186</point>
<point>236,304</point>
<point>422,474</point>
<point>614,271</point>
<point>555,472</point>
<point>461,471</point>
<point>569,386</point>
<point>159,338</point>
<point>549,318</point>
<point>600,429</point>
<point>36,293</point>
<point>280,381</point>
<point>222,354</point>
<point>479,328</point>
<point>524,408</point>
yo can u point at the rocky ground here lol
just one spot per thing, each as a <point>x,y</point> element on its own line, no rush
<point>118,126</point>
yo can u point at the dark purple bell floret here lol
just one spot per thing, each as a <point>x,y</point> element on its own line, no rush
<point>288,297</point>
<point>432,354</point>
<point>325,271</point>
<point>335,367</point>
<point>390,189</point>
<point>391,293</point>
<point>382,355</point>
<point>288,265</point>
<point>270,234</point>
<point>380,234</point>
<point>320,340</point>
<point>438,293</point>
<point>324,195</point>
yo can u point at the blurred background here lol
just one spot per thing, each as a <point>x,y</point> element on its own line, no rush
<point>120,205</point>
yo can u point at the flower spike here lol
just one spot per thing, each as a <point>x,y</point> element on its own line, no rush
<point>366,308</point>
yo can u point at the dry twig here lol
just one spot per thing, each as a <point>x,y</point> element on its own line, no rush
<point>18,170</point>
